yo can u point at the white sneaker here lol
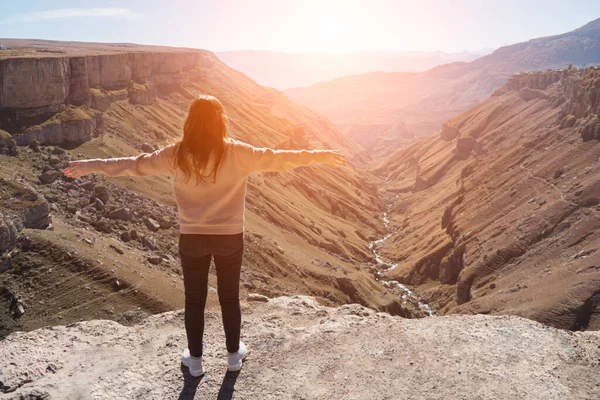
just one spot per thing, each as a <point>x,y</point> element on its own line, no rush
<point>193,363</point>
<point>235,360</point>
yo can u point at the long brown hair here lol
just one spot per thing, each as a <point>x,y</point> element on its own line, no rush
<point>204,134</point>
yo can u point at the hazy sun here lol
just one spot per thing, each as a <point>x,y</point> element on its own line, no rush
<point>330,29</point>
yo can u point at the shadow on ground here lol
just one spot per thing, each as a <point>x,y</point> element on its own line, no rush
<point>191,383</point>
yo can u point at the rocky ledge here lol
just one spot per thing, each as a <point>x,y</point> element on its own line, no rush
<point>301,350</point>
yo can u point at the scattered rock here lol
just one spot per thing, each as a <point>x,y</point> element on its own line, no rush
<point>148,243</point>
<point>583,253</point>
<point>151,224</point>
<point>35,146</point>
<point>154,259</point>
<point>59,151</point>
<point>49,176</point>
<point>19,309</point>
<point>134,235</point>
<point>257,297</point>
<point>54,160</point>
<point>103,225</point>
<point>133,317</point>
<point>126,237</point>
<point>8,145</point>
<point>87,185</point>
<point>123,214</point>
<point>98,204</point>
<point>101,193</point>
<point>117,249</point>
<point>559,173</point>
<point>164,223</point>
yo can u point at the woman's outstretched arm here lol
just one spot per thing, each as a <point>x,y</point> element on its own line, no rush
<point>158,163</point>
<point>256,159</point>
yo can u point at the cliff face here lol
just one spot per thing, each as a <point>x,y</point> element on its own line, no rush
<point>35,89</point>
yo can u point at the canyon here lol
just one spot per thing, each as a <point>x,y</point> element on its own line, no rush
<point>496,213</point>
<point>308,230</point>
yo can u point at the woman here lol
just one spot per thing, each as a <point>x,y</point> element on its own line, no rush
<point>210,173</point>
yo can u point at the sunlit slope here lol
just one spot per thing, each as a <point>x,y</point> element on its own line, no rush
<point>422,101</point>
<point>499,213</point>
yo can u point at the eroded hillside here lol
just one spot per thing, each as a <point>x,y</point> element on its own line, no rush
<point>308,230</point>
<point>500,212</point>
<point>380,108</point>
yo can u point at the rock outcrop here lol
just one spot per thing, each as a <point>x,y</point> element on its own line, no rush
<point>338,353</point>
<point>34,90</point>
<point>22,207</point>
<point>449,132</point>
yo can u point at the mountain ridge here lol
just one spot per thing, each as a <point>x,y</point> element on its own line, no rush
<point>424,100</point>
<point>288,70</point>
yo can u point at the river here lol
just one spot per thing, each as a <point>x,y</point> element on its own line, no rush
<point>407,294</point>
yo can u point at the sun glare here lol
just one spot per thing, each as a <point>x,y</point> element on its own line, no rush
<point>331,30</point>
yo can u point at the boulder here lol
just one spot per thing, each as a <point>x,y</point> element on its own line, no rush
<point>148,243</point>
<point>164,223</point>
<point>117,249</point>
<point>87,185</point>
<point>49,176</point>
<point>125,237</point>
<point>449,132</point>
<point>103,225</point>
<point>154,260</point>
<point>122,214</point>
<point>151,224</point>
<point>8,144</point>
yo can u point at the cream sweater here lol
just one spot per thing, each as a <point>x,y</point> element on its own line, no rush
<point>207,207</point>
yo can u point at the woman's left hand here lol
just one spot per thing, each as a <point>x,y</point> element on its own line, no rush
<point>78,169</point>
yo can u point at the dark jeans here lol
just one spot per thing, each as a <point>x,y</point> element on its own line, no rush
<point>196,252</point>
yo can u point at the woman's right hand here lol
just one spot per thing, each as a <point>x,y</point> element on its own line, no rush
<point>78,169</point>
<point>334,158</point>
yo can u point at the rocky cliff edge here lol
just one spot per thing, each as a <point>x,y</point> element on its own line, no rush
<point>301,350</point>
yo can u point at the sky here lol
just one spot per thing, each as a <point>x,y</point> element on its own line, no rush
<point>298,26</point>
